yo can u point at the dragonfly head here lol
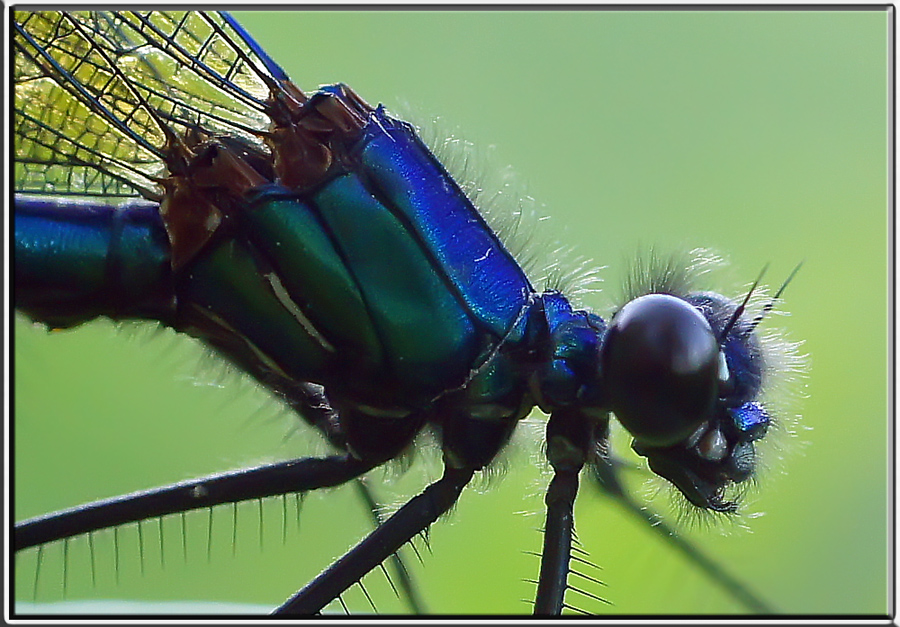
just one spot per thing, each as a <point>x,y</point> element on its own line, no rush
<point>682,374</point>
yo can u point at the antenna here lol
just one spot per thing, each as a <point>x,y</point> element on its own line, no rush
<point>768,307</point>
<point>740,310</point>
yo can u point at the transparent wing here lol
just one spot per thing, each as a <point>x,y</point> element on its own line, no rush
<point>100,97</point>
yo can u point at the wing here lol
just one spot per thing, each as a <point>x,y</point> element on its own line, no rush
<point>102,98</point>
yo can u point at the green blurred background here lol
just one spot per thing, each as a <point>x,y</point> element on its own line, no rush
<point>762,135</point>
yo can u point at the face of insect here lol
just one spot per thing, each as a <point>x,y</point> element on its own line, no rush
<point>682,375</point>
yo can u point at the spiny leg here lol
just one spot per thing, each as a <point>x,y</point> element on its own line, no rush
<point>232,487</point>
<point>420,512</point>
<point>406,584</point>
<point>558,531</point>
<point>568,442</point>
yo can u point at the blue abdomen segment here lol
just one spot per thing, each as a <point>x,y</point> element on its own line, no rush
<point>76,260</point>
<point>398,168</point>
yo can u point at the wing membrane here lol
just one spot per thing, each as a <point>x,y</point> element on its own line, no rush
<point>100,97</point>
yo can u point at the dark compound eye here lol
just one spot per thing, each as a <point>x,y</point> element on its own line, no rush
<point>661,366</point>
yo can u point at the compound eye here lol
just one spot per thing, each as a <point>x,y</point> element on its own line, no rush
<point>661,363</point>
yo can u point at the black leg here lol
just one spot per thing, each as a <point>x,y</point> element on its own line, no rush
<point>417,515</point>
<point>407,586</point>
<point>569,439</point>
<point>558,530</point>
<point>253,483</point>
